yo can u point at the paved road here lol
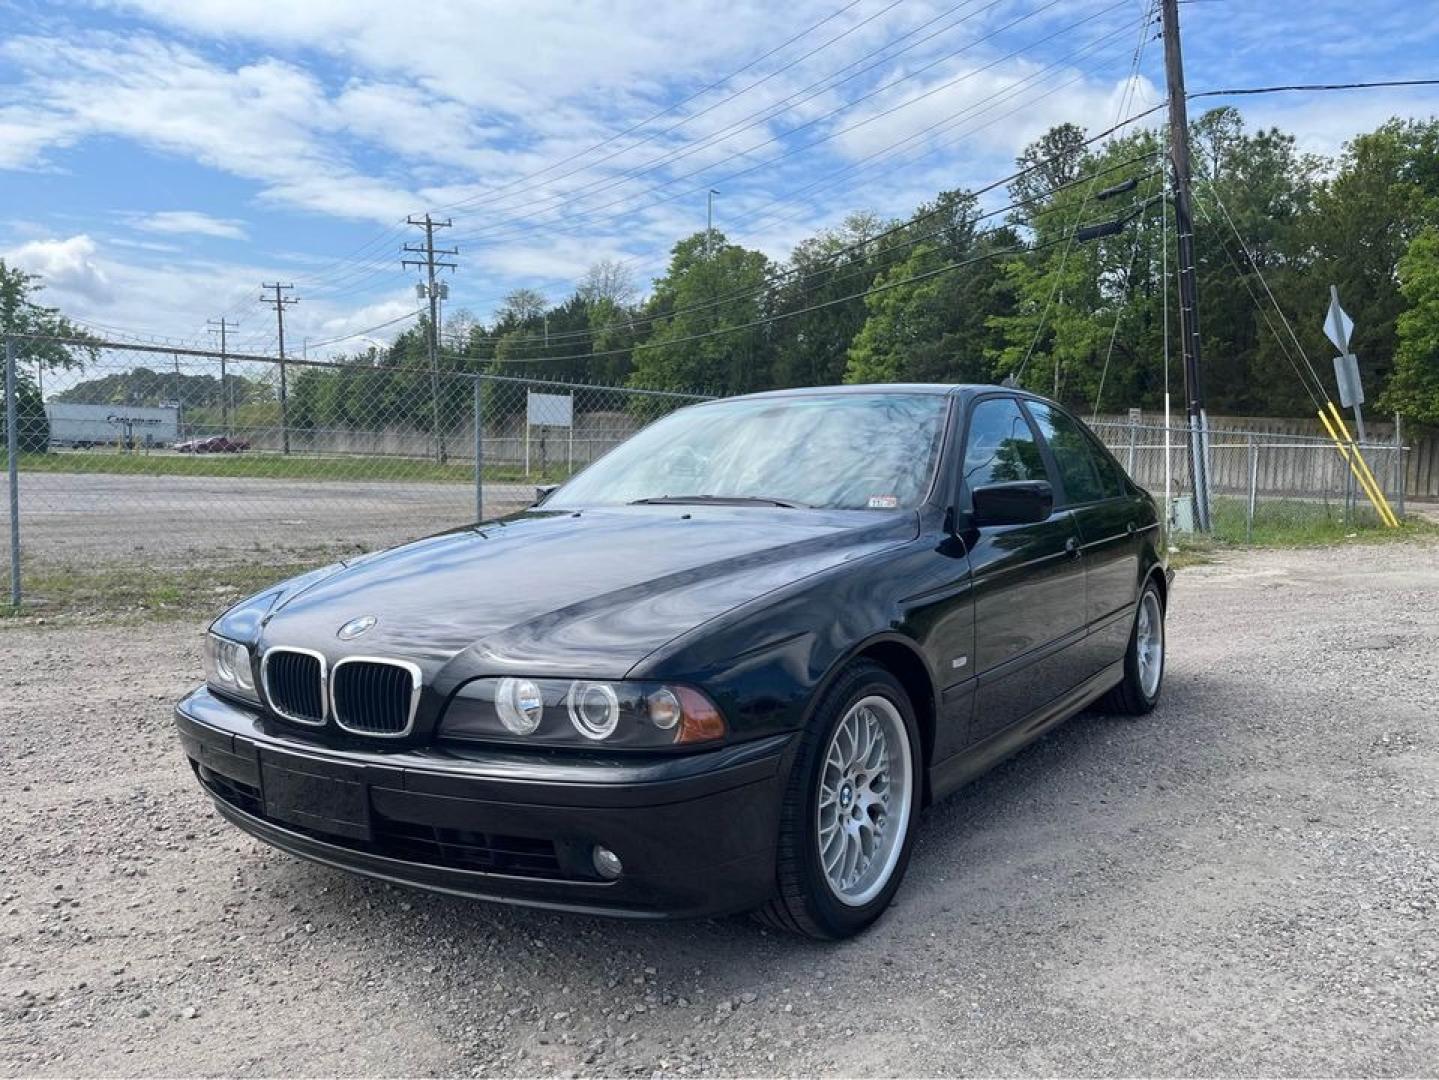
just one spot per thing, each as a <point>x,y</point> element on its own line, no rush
<point>1242,883</point>
<point>71,517</point>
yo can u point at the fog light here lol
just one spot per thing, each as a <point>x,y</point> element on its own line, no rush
<point>607,863</point>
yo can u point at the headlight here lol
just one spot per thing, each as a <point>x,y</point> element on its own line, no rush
<point>583,712</point>
<point>229,668</point>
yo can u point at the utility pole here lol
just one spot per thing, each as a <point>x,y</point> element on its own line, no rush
<point>434,291</point>
<point>1188,284</point>
<point>280,302</point>
<point>226,404</point>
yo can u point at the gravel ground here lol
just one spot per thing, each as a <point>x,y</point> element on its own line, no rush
<point>1242,883</point>
<point>86,517</point>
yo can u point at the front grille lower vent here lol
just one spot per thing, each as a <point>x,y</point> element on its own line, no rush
<point>374,697</point>
<point>295,685</point>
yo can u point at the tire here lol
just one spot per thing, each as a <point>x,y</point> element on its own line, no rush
<point>864,699</point>
<point>1138,692</point>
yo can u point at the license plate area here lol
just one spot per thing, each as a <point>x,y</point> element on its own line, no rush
<point>312,800</point>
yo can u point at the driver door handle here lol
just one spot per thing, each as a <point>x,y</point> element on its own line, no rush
<point>1071,546</point>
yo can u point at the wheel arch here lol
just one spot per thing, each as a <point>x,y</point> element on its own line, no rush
<point>902,658</point>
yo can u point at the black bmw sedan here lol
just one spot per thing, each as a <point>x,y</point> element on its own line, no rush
<point>722,669</point>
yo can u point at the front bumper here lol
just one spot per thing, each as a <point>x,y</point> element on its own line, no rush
<point>696,833</point>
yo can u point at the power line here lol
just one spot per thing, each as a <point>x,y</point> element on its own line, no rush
<point>781,316</point>
<point>397,229</point>
<point>873,160</point>
<point>513,231</point>
<point>713,136</point>
<point>798,97</point>
<point>793,276</point>
<point>1312,87</point>
<point>679,105</point>
<point>590,214</point>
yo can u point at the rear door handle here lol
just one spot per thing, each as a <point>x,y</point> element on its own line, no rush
<point>1071,546</point>
<point>1131,528</point>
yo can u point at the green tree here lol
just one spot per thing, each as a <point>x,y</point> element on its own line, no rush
<point>1086,314</point>
<point>928,318</point>
<point>1414,390</point>
<point>1384,193</point>
<point>21,313</point>
<point>705,308</point>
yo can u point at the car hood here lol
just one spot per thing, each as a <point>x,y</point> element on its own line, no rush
<point>565,593</point>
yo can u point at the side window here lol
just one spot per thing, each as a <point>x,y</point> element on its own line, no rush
<point>1000,445</point>
<point>1089,474</point>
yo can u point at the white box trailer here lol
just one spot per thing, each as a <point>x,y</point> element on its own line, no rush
<point>97,425</point>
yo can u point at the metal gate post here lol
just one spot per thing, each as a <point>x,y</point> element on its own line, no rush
<point>479,449</point>
<point>1402,476</point>
<point>1253,491</point>
<point>1133,431</point>
<point>12,460</point>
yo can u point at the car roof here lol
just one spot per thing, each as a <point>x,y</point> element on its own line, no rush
<point>936,389</point>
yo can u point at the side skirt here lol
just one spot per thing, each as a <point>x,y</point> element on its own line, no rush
<point>959,769</point>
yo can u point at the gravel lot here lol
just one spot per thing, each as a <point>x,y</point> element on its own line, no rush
<point>93,516</point>
<point>1242,883</point>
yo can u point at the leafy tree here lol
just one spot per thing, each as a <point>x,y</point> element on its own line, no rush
<point>1071,300</point>
<point>818,303</point>
<point>21,313</point>
<point>1364,219</point>
<point>1415,388</point>
<point>706,305</point>
<point>929,316</point>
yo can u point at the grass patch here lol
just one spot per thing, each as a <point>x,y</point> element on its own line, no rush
<point>124,591</point>
<point>268,466</point>
<point>1284,523</point>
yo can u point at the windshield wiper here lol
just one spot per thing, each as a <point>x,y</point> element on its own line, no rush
<point>720,500</point>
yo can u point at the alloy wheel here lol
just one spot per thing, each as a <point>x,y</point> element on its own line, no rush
<point>1149,643</point>
<point>865,788</point>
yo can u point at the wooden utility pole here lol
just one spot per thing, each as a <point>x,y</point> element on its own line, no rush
<point>281,302</point>
<point>1188,284</point>
<point>429,264</point>
<point>226,405</point>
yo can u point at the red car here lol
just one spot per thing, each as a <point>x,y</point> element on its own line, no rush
<point>215,444</point>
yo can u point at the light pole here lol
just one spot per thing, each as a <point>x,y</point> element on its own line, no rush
<point>709,221</point>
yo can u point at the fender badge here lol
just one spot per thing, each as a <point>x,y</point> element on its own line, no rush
<point>355,627</point>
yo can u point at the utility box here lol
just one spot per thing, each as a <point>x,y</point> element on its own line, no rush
<point>1181,514</point>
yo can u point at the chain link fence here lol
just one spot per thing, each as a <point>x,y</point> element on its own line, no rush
<point>182,457</point>
<point>1258,480</point>
<point>177,460</point>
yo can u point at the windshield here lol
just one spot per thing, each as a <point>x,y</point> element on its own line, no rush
<point>843,451</point>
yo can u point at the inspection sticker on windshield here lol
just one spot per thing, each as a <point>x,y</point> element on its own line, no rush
<point>883,502</point>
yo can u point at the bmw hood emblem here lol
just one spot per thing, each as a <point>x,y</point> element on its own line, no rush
<point>355,627</point>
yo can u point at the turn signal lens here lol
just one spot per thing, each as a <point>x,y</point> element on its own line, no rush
<point>700,720</point>
<point>665,709</point>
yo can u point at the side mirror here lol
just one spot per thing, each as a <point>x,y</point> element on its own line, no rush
<point>1021,502</point>
<point>543,492</point>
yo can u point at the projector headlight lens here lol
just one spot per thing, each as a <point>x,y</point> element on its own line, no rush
<point>594,709</point>
<point>519,705</point>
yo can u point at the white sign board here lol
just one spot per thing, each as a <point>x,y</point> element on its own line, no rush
<point>550,410</point>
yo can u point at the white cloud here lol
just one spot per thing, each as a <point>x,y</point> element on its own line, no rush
<point>191,223</point>
<point>67,266</point>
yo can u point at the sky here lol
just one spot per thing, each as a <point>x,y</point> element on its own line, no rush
<point>160,159</point>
